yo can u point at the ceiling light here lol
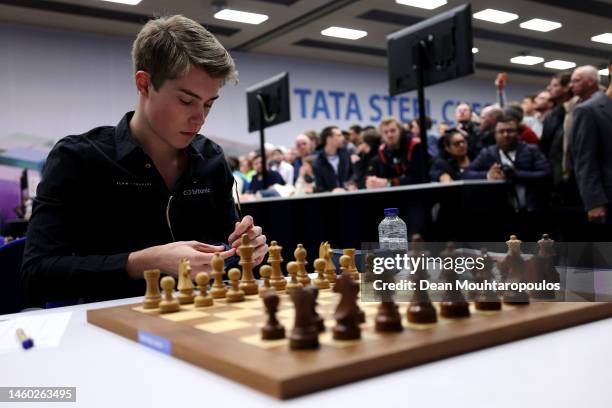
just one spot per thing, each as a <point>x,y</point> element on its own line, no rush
<point>424,4</point>
<point>603,72</point>
<point>475,50</point>
<point>526,60</point>
<point>347,33</point>
<point>560,64</point>
<point>537,24</point>
<point>495,16</point>
<point>605,38</point>
<point>240,16</point>
<point>130,2</point>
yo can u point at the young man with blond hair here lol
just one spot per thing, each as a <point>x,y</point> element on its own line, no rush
<point>118,200</point>
<point>400,160</point>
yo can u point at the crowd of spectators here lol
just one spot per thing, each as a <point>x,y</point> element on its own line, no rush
<point>554,146</point>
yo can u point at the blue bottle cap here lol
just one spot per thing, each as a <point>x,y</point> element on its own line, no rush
<point>391,212</point>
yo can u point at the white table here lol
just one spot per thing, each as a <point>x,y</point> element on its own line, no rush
<point>567,368</point>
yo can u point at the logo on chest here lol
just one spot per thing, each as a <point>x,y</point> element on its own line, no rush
<point>197,191</point>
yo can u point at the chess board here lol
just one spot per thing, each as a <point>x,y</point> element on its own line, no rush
<point>225,338</point>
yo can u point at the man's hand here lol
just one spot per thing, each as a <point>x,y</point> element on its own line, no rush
<point>376,182</point>
<point>598,215</point>
<point>167,257</point>
<point>495,173</point>
<point>255,233</point>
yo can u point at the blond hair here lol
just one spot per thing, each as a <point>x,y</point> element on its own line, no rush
<point>167,47</point>
<point>387,121</point>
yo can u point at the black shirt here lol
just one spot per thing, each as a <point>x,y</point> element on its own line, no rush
<point>101,197</point>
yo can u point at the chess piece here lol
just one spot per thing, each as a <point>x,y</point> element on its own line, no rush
<point>420,309</point>
<point>272,330</point>
<point>330,268</point>
<point>454,305</point>
<point>248,284</point>
<point>352,269</point>
<point>305,335</point>
<point>204,299</point>
<point>544,267</point>
<point>168,304</point>
<point>152,293</point>
<point>235,293</point>
<point>300,258</point>
<point>345,263</point>
<point>265,271</point>
<point>277,280</point>
<point>320,281</point>
<point>185,285</point>
<point>485,300</point>
<point>316,319</point>
<point>219,289</point>
<point>347,311</point>
<point>418,249</point>
<point>388,318</point>
<point>514,270</point>
<point>292,270</point>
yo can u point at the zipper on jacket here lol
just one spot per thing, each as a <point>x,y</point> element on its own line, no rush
<point>168,217</point>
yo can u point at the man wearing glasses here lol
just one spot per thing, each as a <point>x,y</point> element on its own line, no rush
<point>517,162</point>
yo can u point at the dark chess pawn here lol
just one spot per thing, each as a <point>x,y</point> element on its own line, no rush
<point>272,330</point>
<point>347,312</point>
<point>316,318</point>
<point>305,334</point>
<point>486,300</point>
<point>544,267</point>
<point>388,317</point>
<point>420,309</point>
<point>454,305</point>
<point>514,270</point>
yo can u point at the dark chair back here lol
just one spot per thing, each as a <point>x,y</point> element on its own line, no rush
<point>12,297</point>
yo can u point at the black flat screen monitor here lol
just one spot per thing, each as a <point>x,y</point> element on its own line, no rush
<point>273,93</point>
<point>446,45</point>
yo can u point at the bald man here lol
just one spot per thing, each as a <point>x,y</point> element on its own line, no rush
<point>591,152</point>
<point>584,82</point>
<point>303,148</point>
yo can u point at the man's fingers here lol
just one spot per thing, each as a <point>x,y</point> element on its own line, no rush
<point>208,248</point>
<point>241,227</point>
<point>205,258</point>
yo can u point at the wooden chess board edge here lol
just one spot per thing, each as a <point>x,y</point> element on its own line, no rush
<point>111,319</point>
<point>380,361</point>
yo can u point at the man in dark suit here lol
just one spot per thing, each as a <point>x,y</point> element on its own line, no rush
<point>333,168</point>
<point>516,161</point>
<point>592,153</point>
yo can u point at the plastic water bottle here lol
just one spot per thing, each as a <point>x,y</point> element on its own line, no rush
<point>392,232</point>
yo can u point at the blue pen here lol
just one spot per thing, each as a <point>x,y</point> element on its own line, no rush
<point>26,342</point>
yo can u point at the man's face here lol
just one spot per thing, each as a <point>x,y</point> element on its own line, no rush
<point>580,84</point>
<point>506,135</point>
<point>556,90</point>
<point>528,106</point>
<point>458,146</point>
<point>257,164</point>
<point>177,110</point>
<point>542,101</point>
<point>390,134</point>
<point>277,155</point>
<point>302,146</point>
<point>487,120</point>
<point>336,139</point>
<point>463,113</point>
